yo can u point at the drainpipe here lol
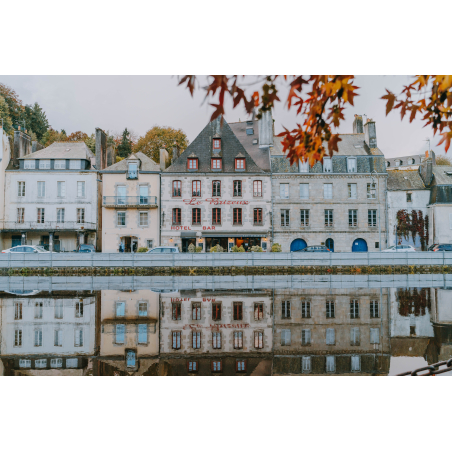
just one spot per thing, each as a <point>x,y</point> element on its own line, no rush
<point>160,209</point>
<point>273,216</point>
<point>386,214</point>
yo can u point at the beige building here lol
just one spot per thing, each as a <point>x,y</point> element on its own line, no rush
<point>130,205</point>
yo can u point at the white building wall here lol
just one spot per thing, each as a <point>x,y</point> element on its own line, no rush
<point>5,156</point>
<point>441,223</point>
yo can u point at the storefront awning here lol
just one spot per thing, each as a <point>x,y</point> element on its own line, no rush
<point>188,234</point>
<point>225,234</point>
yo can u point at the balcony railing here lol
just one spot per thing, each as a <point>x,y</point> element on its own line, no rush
<point>47,226</point>
<point>130,201</point>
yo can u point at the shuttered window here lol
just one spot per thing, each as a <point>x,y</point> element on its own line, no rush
<point>306,364</point>
<point>258,339</point>
<point>216,339</point>
<point>78,340</point>
<point>284,191</point>
<point>330,336</point>
<point>354,336</point>
<point>142,309</point>
<point>58,314</point>
<point>38,338</point>
<point>81,189</point>
<point>285,337</point>
<point>196,339</point>
<point>176,340</point>
<point>258,311</point>
<point>142,333</point>
<point>327,191</point>
<point>71,363</point>
<point>327,165</point>
<point>375,335</point>
<point>196,314</point>
<point>238,340</point>
<point>120,331</point>
<point>285,310</point>
<point>304,191</point>
<point>331,363</point>
<point>38,309</point>
<point>356,363</point>
<point>305,337</point>
<point>120,308</point>
<point>58,338</point>
<point>352,191</point>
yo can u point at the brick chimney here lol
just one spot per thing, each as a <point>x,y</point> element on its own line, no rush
<point>370,133</point>
<point>101,149</point>
<point>358,124</point>
<point>22,146</point>
<point>266,130</point>
<point>163,158</point>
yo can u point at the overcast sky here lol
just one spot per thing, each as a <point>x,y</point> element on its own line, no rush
<point>139,102</point>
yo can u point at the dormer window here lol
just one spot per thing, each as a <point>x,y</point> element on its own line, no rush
<point>327,165</point>
<point>75,164</point>
<point>59,164</point>
<point>217,144</point>
<point>216,164</point>
<point>29,164</point>
<point>249,128</point>
<point>240,164</point>
<point>303,166</point>
<point>44,164</point>
<point>192,164</point>
<point>351,165</point>
<point>132,172</point>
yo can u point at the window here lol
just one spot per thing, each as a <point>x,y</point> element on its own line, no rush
<point>38,309</point>
<point>285,337</point>
<point>196,188</point>
<point>257,217</point>
<point>330,309</point>
<point>196,339</point>
<point>120,308</point>
<point>192,366</point>
<point>121,191</point>
<point>258,339</point>
<point>75,164</point>
<point>330,363</point>
<point>61,189</point>
<point>144,194</point>
<point>149,244</point>
<point>142,309</point>
<point>216,216</point>
<point>216,340</point>
<point>217,143</point>
<point>177,188</point>
<point>176,340</point>
<point>237,188</point>
<point>29,164</point>
<point>284,191</point>
<point>132,170</point>
<point>371,191</point>
<point>121,218</point>
<point>351,165</point>
<point>354,309</point>
<point>196,215</point>
<point>374,310</point>
<point>354,336</point>
<point>142,333</point>
<point>257,188</point>
<point>192,164</point>
<point>216,164</point>
<point>240,365</point>
<point>18,338</point>
<point>216,188</point>
<point>238,310</point>
<point>372,217</point>
<point>285,310</point>
<point>306,309</point>
<point>21,189</point>
<point>144,219</point>
<point>305,337</point>
<point>304,191</point>
<point>330,336</point>
<point>216,311</point>
<point>304,218</point>
<point>58,338</point>
<point>44,164</point>
<point>79,309</point>
<point>17,311</point>
<point>237,216</point>
<point>38,338</point>
<point>327,165</point>
<point>59,164</point>
<point>408,197</point>
<point>216,366</point>
<point>71,363</point>
<point>356,363</point>
<point>303,167</point>
<point>40,363</point>
<point>240,164</point>
<point>80,216</point>
<point>120,331</point>
<point>60,215</point>
<point>56,363</point>
<point>41,215</point>
<point>306,364</point>
<point>78,337</point>
<point>41,189</point>
<point>58,314</point>
<point>375,335</point>
<point>20,215</point>
<point>196,311</point>
<point>352,192</point>
<point>328,191</point>
<point>328,218</point>
<point>176,309</point>
<point>25,363</point>
<point>353,218</point>
<point>258,311</point>
<point>177,216</point>
<point>285,218</point>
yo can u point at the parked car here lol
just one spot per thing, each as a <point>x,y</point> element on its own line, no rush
<point>431,247</point>
<point>399,249</point>
<point>443,247</point>
<point>164,249</point>
<point>84,248</point>
<point>26,249</point>
<point>315,249</point>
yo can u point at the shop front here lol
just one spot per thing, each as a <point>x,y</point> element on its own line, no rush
<point>227,241</point>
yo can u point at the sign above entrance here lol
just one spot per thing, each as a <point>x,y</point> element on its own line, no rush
<point>213,201</point>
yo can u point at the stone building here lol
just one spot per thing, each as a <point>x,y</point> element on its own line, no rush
<point>408,162</point>
<point>216,193</point>
<point>130,206</point>
<point>326,331</point>
<point>339,202</point>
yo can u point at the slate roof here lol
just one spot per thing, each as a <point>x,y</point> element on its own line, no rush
<point>147,164</point>
<point>404,161</point>
<point>201,147</point>
<point>439,173</point>
<point>62,150</point>
<point>405,180</point>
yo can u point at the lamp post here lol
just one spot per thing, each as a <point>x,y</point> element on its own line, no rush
<point>372,193</point>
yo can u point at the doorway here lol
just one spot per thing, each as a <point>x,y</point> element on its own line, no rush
<point>359,246</point>
<point>129,244</point>
<point>186,243</point>
<point>330,244</point>
<point>298,245</point>
<point>16,240</point>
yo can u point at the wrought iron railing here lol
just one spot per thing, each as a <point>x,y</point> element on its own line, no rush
<point>115,201</point>
<point>47,225</point>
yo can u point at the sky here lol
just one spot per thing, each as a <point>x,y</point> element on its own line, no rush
<point>113,102</point>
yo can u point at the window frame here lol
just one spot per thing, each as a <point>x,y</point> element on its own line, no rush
<point>196,216</point>
<point>352,195</point>
<point>41,189</point>
<point>121,214</point>
<point>259,308</point>
<point>192,164</point>
<point>21,189</point>
<point>237,340</point>
<point>176,311</point>
<point>285,218</point>
<point>353,218</point>
<point>237,310</point>
<point>176,340</point>
<point>259,340</point>
<point>176,216</point>
<point>286,309</point>
<point>304,218</point>
<point>237,216</point>
<point>216,216</point>
<point>81,189</point>
<point>80,215</point>
<point>196,338</point>
<point>329,218</point>
<point>330,309</point>
<point>20,215</point>
<point>40,217</point>
<point>240,164</point>
<point>328,190</point>
<point>196,189</point>
<point>216,340</point>
<point>257,216</point>
<point>216,311</point>
<point>177,189</point>
<point>306,309</point>
<point>372,218</point>
<point>216,163</point>
<point>257,189</point>
<point>216,188</point>
<point>237,189</point>
<point>196,311</point>
<point>354,309</point>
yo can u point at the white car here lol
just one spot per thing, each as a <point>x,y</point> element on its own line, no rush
<point>399,249</point>
<point>26,249</point>
<point>164,249</point>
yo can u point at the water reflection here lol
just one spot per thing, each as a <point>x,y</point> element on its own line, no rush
<point>248,331</point>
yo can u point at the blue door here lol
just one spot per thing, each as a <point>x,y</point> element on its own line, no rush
<point>330,244</point>
<point>297,245</point>
<point>359,246</point>
<point>16,240</point>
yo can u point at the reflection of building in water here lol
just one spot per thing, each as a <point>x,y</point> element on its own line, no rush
<point>128,332</point>
<point>47,334</point>
<point>326,331</point>
<point>442,325</point>
<point>216,332</point>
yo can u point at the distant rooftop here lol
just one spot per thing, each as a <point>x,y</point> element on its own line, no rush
<point>63,150</point>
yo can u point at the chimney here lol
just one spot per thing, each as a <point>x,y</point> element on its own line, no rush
<point>370,134</point>
<point>22,146</point>
<point>36,146</point>
<point>426,170</point>
<point>111,155</point>
<point>358,124</point>
<point>266,130</point>
<point>175,155</point>
<point>164,158</point>
<point>101,149</point>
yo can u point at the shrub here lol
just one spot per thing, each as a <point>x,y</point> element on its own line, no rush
<point>142,249</point>
<point>198,249</point>
<point>216,249</point>
<point>238,249</point>
<point>256,249</point>
<point>191,248</point>
<point>276,248</point>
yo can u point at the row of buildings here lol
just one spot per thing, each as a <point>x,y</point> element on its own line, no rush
<point>235,332</point>
<point>231,186</point>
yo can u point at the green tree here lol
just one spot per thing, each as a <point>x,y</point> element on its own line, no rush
<point>161,137</point>
<point>5,117</point>
<point>51,136</point>
<point>125,146</point>
<point>36,120</point>
<point>91,142</point>
<point>14,103</point>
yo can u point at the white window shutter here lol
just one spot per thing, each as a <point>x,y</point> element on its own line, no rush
<point>450,220</point>
<point>375,335</point>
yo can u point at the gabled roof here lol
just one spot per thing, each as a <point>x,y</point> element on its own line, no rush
<point>405,180</point>
<point>147,164</point>
<point>441,176</point>
<point>201,147</point>
<point>63,150</point>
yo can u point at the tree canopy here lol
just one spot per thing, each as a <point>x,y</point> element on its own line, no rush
<point>5,118</point>
<point>36,120</point>
<point>125,146</point>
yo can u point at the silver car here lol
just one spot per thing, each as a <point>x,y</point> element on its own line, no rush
<point>399,249</point>
<point>164,249</point>
<point>26,249</point>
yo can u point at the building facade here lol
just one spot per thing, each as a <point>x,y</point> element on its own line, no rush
<point>339,202</point>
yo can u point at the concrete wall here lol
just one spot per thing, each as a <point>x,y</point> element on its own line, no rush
<point>440,223</point>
